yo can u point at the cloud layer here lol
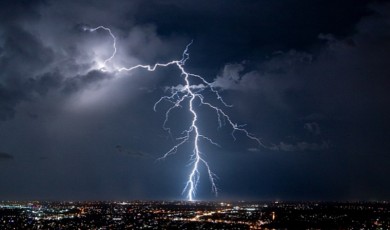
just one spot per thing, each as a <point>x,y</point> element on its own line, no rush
<point>308,78</point>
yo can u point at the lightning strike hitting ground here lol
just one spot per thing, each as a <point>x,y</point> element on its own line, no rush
<point>189,93</point>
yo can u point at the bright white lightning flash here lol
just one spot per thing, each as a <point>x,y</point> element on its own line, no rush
<point>189,93</point>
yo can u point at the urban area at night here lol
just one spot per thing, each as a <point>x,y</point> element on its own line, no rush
<point>194,215</point>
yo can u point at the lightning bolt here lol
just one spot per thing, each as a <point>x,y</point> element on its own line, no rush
<point>86,28</point>
<point>179,95</point>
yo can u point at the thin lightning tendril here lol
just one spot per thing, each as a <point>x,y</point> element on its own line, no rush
<point>188,93</point>
<point>113,43</point>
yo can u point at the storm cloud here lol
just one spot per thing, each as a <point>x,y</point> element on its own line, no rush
<point>309,78</point>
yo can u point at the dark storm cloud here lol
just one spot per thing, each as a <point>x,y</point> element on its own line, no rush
<point>21,56</point>
<point>340,86</point>
<point>345,77</point>
<point>13,11</point>
<point>46,82</point>
<point>257,27</point>
<point>78,83</point>
<point>309,76</point>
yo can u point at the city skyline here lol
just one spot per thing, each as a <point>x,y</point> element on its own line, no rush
<point>308,78</point>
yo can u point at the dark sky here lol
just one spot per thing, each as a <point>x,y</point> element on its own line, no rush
<point>309,77</point>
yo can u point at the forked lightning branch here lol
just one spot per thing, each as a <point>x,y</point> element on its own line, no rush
<point>191,95</point>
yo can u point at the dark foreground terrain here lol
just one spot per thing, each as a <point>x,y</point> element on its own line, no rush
<point>194,215</point>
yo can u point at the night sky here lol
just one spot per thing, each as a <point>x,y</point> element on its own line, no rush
<point>310,78</point>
